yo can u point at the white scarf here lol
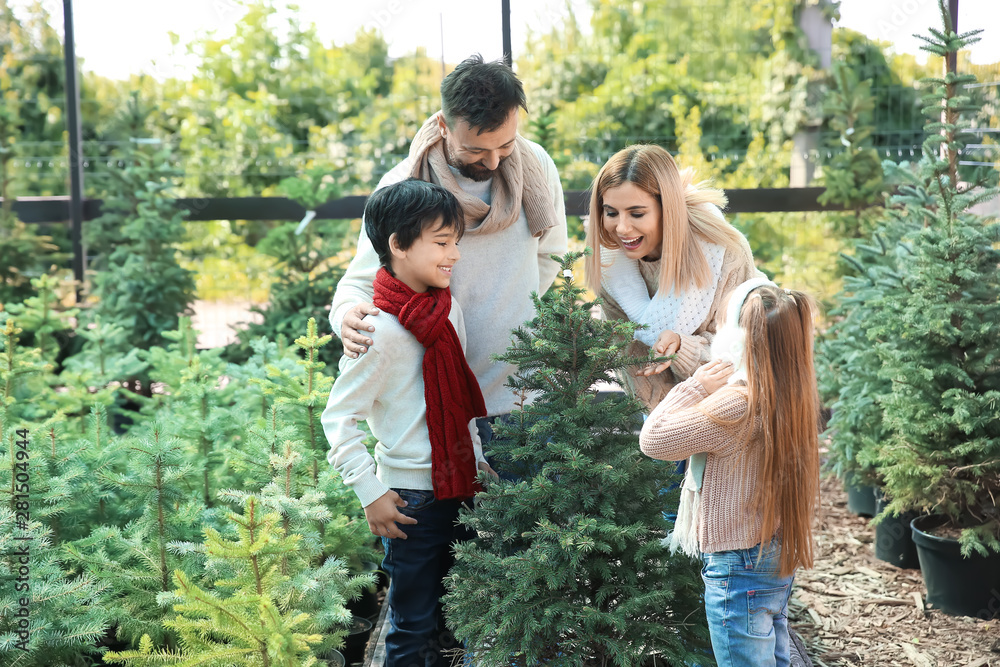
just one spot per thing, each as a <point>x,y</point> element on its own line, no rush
<point>728,345</point>
<point>680,312</point>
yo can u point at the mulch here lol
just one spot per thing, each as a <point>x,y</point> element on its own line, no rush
<point>853,609</point>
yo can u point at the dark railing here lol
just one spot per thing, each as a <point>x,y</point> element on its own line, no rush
<point>56,209</point>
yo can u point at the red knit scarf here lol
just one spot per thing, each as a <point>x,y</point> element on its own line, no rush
<point>451,391</point>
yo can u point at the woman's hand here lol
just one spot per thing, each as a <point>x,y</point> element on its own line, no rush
<point>714,375</point>
<point>666,344</point>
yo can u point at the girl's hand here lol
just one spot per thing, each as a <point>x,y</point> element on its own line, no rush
<point>667,344</point>
<point>714,375</point>
<point>384,514</point>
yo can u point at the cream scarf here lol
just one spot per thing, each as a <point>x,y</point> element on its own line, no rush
<point>519,181</point>
<point>681,312</point>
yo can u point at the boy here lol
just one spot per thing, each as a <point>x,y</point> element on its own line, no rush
<point>421,399</point>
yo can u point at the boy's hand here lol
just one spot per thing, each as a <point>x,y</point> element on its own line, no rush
<point>354,341</point>
<point>714,375</point>
<point>486,468</point>
<point>383,515</point>
<point>666,345</point>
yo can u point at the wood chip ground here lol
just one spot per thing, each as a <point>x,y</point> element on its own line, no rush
<point>853,609</point>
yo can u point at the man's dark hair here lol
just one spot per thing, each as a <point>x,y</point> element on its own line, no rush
<point>405,209</point>
<point>482,94</point>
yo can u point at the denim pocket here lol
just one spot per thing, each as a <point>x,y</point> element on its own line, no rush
<point>764,606</point>
<point>715,571</point>
<point>416,500</point>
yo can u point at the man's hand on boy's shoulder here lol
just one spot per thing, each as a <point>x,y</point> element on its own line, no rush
<point>383,514</point>
<point>355,342</point>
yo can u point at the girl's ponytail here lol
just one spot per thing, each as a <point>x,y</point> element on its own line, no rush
<point>781,383</point>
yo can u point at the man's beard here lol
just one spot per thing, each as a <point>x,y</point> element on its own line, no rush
<point>475,171</point>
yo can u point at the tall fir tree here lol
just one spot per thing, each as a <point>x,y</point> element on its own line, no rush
<point>933,321</point>
<point>569,567</point>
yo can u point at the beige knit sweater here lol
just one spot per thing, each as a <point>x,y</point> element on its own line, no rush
<point>679,427</point>
<point>737,266</point>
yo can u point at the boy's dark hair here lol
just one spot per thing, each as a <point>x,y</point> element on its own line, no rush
<point>482,94</point>
<point>405,209</point>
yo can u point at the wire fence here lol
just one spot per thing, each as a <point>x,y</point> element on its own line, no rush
<point>599,85</point>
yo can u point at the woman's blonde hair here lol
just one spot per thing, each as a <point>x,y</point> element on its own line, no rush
<point>782,394</point>
<point>688,211</point>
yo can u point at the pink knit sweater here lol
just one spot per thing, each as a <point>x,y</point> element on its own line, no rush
<point>679,427</point>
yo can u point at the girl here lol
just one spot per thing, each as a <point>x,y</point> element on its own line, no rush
<point>662,255</point>
<point>749,421</point>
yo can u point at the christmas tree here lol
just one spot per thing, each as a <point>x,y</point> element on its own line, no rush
<point>933,322</point>
<point>569,566</point>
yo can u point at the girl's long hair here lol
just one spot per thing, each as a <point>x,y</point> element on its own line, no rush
<point>782,394</point>
<point>684,215</point>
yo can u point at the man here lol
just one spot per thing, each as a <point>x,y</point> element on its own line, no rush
<point>514,214</point>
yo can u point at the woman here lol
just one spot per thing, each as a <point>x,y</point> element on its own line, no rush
<point>662,255</point>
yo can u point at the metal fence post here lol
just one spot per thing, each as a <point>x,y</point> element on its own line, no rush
<point>75,149</point>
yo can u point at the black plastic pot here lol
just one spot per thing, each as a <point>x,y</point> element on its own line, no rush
<point>957,586</point>
<point>357,640</point>
<point>334,658</point>
<point>365,606</point>
<point>860,499</point>
<point>894,538</point>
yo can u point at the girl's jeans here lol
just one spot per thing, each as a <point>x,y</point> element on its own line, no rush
<point>747,606</point>
<point>416,567</point>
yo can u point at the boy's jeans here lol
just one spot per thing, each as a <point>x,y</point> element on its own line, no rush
<point>747,606</point>
<point>416,567</point>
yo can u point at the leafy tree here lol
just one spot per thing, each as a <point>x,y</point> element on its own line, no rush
<point>559,573</point>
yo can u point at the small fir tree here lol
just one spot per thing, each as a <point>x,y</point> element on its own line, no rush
<point>64,618</point>
<point>240,621</point>
<point>89,376</point>
<point>43,316</point>
<point>195,403</point>
<point>135,559</point>
<point>321,586</point>
<point>139,282</point>
<point>302,397</point>
<point>569,567</point>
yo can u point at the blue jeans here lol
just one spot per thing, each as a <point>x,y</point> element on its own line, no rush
<point>747,606</point>
<point>416,567</point>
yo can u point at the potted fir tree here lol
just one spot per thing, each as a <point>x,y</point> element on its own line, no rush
<point>933,326</point>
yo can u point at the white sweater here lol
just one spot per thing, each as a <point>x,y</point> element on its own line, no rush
<point>492,281</point>
<point>386,388</point>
